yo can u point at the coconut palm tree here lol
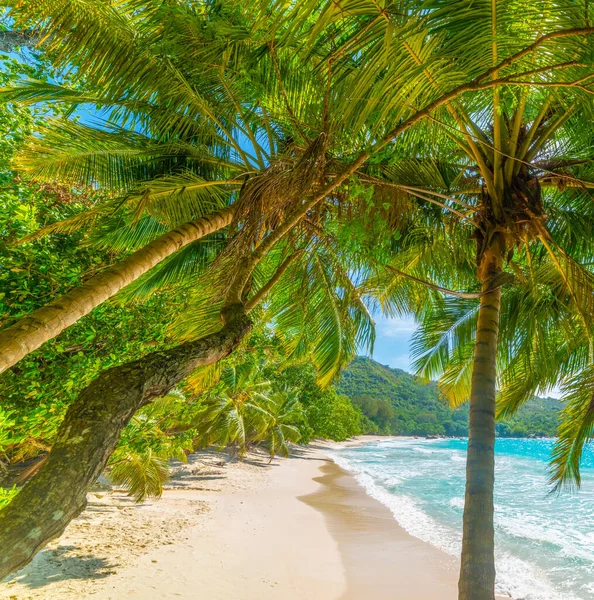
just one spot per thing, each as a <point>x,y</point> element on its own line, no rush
<point>236,413</point>
<point>343,91</point>
<point>203,113</point>
<point>286,412</point>
<point>506,161</point>
<point>140,463</point>
<point>242,410</point>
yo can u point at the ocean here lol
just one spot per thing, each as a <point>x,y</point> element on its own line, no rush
<point>544,542</point>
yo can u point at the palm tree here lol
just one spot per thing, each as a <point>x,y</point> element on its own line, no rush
<point>286,412</point>
<point>543,339</point>
<point>242,410</point>
<point>319,81</point>
<point>505,163</point>
<point>236,413</point>
<point>140,463</point>
<point>131,386</point>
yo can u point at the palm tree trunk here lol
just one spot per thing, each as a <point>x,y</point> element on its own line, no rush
<point>89,434</point>
<point>45,323</point>
<point>477,572</point>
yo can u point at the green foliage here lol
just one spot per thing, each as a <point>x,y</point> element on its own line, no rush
<point>249,400</point>
<point>328,414</point>
<point>17,121</point>
<point>319,314</point>
<point>35,393</point>
<point>42,386</point>
<point>6,495</point>
<point>7,423</point>
<point>539,417</point>
<point>140,463</point>
<point>400,404</point>
<point>332,416</point>
<point>576,429</point>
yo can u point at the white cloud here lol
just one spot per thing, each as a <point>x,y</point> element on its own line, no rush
<point>395,327</point>
<point>393,341</point>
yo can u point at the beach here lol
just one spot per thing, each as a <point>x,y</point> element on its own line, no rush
<point>292,528</point>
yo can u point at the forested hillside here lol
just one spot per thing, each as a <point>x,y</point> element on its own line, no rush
<point>398,403</point>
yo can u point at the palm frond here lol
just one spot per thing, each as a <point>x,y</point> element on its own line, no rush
<point>575,430</point>
<point>141,473</point>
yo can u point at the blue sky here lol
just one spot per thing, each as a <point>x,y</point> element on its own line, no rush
<point>392,346</point>
<point>392,343</point>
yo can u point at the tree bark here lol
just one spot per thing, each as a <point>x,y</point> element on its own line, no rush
<point>45,323</point>
<point>88,435</point>
<point>477,572</point>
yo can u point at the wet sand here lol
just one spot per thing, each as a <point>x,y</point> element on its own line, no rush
<point>382,561</point>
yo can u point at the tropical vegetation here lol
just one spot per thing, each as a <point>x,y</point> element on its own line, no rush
<point>239,171</point>
<point>398,403</point>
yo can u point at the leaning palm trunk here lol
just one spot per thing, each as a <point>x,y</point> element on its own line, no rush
<point>89,434</point>
<point>477,573</point>
<point>30,332</point>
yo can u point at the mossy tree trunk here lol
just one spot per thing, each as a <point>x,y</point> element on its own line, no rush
<point>477,573</point>
<point>89,434</point>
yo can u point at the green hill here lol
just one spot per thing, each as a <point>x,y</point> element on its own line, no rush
<point>400,404</point>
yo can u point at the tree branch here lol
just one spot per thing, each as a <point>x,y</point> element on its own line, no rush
<point>265,289</point>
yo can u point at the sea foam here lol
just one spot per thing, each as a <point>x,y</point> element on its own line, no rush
<point>545,544</point>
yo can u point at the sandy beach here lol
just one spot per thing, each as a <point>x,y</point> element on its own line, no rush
<point>292,528</point>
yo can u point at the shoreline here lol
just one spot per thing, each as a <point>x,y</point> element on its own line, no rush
<point>379,555</point>
<point>294,528</point>
<point>370,537</point>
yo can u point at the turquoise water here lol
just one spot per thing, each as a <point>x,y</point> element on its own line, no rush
<point>545,543</point>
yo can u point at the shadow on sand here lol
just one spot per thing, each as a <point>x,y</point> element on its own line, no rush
<point>55,565</point>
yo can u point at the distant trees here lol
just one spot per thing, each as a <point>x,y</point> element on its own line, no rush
<point>399,404</point>
<point>378,410</point>
<point>327,413</point>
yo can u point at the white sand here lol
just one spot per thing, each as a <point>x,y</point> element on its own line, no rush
<point>298,528</point>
